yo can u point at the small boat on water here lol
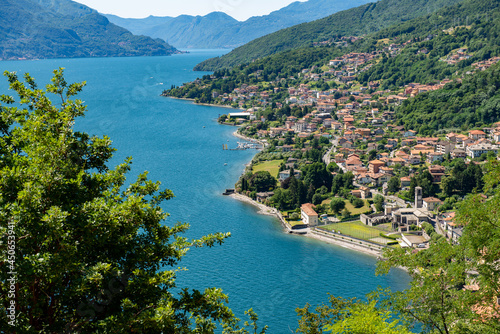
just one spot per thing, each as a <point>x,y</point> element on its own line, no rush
<point>246,146</point>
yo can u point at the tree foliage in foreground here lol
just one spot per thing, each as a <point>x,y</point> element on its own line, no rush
<point>351,316</point>
<point>92,254</point>
<point>454,288</point>
<point>442,297</point>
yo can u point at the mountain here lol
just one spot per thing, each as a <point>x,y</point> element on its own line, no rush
<point>215,30</point>
<point>454,51</point>
<point>219,30</point>
<point>63,28</point>
<point>357,21</point>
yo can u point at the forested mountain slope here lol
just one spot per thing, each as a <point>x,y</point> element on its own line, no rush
<point>357,21</point>
<point>219,30</point>
<point>455,43</point>
<point>63,28</point>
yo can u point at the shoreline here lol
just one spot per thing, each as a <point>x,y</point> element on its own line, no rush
<point>263,209</point>
<point>202,104</point>
<point>269,211</point>
<point>344,244</point>
<point>253,140</point>
<point>312,234</point>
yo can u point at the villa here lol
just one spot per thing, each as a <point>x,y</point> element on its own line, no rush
<point>308,215</point>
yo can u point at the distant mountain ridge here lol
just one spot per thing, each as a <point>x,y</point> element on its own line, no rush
<point>31,29</point>
<point>219,30</point>
<point>357,21</point>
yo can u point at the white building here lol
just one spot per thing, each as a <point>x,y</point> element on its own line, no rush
<point>285,174</point>
<point>309,216</point>
<point>300,126</point>
<point>475,151</point>
<point>430,203</point>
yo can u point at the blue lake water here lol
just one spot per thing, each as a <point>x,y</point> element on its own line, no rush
<point>180,144</point>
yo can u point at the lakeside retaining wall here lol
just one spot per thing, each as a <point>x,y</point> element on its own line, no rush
<point>283,221</point>
<point>348,240</point>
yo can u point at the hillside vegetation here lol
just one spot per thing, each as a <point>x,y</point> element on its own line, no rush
<point>426,49</point>
<point>219,30</point>
<point>473,102</point>
<point>357,21</point>
<point>62,28</point>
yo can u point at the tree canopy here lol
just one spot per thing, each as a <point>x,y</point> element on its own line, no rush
<point>454,287</point>
<point>92,253</point>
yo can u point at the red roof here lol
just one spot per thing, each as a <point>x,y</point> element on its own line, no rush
<point>308,209</point>
<point>477,132</point>
<point>431,200</point>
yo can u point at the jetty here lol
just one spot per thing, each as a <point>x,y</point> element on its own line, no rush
<point>246,146</point>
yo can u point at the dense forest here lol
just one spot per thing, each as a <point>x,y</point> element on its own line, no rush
<point>471,25</point>
<point>473,102</point>
<point>62,28</point>
<point>357,21</point>
<point>469,101</point>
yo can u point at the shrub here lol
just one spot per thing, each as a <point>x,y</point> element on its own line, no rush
<point>387,236</point>
<point>358,203</point>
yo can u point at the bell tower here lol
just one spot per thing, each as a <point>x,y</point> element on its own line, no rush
<point>418,197</point>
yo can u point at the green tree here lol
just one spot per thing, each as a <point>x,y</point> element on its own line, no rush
<point>294,191</point>
<point>358,202</point>
<point>378,199</point>
<point>332,167</point>
<point>337,204</point>
<point>348,179</point>
<point>310,193</point>
<point>481,239</point>
<point>425,180</point>
<point>311,322</point>
<point>394,184</point>
<point>438,280</point>
<point>302,191</point>
<point>317,175</point>
<point>244,184</point>
<point>372,155</point>
<point>317,199</point>
<point>262,181</point>
<point>222,118</point>
<point>346,213</point>
<point>365,318</point>
<point>91,254</point>
<point>323,190</point>
<point>448,185</point>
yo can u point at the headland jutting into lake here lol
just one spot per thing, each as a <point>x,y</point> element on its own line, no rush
<point>325,236</point>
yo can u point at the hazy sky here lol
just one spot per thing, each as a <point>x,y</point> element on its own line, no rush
<point>239,9</point>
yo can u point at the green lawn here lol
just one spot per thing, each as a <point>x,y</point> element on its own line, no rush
<point>354,211</point>
<point>357,211</point>
<point>272,166</point>
<point>354,229</point>
<point>295,222</point>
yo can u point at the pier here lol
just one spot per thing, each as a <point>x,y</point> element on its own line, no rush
<point>243,146</point>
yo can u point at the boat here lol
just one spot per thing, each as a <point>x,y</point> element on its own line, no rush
<point>246,146</point>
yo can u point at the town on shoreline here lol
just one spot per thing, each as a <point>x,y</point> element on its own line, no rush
<point>333,163</point>
<point>368,160</point>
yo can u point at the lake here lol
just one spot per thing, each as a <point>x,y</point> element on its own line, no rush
<point>180,144</point>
